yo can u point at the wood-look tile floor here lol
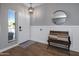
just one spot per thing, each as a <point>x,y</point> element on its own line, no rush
<point>39,49</point>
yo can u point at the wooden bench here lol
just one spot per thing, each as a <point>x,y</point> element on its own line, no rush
<point>59,37</point>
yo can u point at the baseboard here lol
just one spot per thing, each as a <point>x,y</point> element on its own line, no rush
<point>47,43</point>
<point>40,41</point>
<point>2,50</point>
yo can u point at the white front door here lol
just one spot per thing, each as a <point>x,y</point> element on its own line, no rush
<point>23,27</point>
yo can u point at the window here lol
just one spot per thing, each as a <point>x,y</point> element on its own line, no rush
<point>11,24</point>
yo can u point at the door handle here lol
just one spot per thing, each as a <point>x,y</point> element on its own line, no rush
<point>20,28</point>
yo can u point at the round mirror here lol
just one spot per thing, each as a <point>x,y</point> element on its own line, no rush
<point>59,17</point>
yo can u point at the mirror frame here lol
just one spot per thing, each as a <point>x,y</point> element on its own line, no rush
<point>54,19</point>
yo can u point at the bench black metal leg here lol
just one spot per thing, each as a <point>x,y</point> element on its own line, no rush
<point>48,45</point>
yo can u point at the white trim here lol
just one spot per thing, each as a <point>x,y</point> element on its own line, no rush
<point>2,50</point>
<point>41,41</point>
<point>58,26</point>
<point>42,35</point>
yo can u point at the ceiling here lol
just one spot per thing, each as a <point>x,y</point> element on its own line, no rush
<point>33,4</point>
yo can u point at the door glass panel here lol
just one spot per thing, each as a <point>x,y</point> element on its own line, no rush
<point>11,24</point>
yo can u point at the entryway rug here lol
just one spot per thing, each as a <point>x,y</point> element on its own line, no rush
<point>27,43</point>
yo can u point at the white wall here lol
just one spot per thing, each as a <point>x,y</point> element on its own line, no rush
<point>44,13</point>
<point>42,36</point>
